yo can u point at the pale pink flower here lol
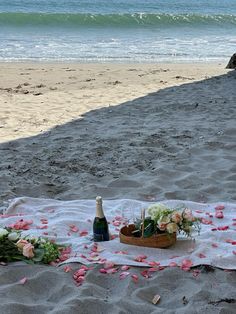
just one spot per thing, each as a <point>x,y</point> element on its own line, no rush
<point>176,217</point>
<point>162,223</point>
<point>187,214</point>
<point>172,227</point>
<point>28,250</point>
<point>21,243</point>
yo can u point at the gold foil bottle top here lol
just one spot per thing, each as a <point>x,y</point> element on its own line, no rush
<point>99,209</point>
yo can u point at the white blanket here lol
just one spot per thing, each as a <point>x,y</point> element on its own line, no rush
<point>65,220</point>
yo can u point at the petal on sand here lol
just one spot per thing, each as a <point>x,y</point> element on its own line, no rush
<point>23,281</point>
<point>124,274</point>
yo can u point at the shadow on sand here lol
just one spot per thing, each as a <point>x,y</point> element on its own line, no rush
<point>177,143</point>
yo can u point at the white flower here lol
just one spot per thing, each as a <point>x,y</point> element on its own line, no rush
<point>172,227</point>
<point>13,236</point>
<point>3,232</point>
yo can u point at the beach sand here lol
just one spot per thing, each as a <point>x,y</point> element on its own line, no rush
<point>140,131</point>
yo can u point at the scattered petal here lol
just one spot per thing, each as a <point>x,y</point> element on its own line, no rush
<point>214,245</point>
<point>223,228</point>
<point>153,263</point>
<point>134,278</point>
<point>121,252</point>
<point>145,274</point>
<point>124,274</point>
<point>173,264</point>
<point>219,214</point>
<point>113,236</point>
<point>140,258</point>
<point>206,221</point>
<point>73,228</point>
<point>23,281</point>
<point>112,270</point>
<point>201,255</point>
<point>153,269</point>
<point>125,267</point>
<point>83,233</point>
<point>67,269</point>
<point>186,264</point>
<point>116,223</point>
<point>103,271</point>
<point>220,207</point>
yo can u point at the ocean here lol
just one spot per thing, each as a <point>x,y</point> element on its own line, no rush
<point>117,30</point>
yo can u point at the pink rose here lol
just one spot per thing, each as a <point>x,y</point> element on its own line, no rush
<point>176,217</point>
<point>162,226</point>
<point>21,243</point>
<point>162,223</point>
<point>28,250</point>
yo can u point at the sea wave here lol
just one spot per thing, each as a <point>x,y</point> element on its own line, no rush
<point>116,20</point>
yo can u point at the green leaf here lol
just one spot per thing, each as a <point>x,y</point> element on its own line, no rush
<point>39,254</point>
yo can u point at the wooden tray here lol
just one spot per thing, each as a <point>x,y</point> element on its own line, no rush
<point>162,240</point>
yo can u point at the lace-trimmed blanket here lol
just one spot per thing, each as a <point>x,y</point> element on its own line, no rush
<point>70,223</point>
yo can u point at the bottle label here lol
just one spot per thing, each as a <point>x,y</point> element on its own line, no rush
<point>98,237</point>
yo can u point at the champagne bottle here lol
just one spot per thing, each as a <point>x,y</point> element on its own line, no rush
<point>100,225</point>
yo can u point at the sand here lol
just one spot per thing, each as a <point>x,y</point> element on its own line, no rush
<point>141,131</point>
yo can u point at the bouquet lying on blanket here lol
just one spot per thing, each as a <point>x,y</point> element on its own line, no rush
<point>14,247</point>
<point>165,220</point>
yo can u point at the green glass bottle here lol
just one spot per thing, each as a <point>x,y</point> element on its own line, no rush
<point>100,225</point>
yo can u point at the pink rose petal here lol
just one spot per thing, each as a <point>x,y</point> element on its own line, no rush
<point>234,252</point>
<point>121,252</point>
<point>214,245</point>
<point>220,207</point>
<point>103,271</point>
<point>173,264</point>
<point>134,278</point>
<point>153,269</point>
<point>116,223</point>
<point>201,255</point>
<point>23,281</point>
<point>145,274</point>
<point>140,258</point>
<point>161,267</point>
<point>67,269</point>
<point>206,221</point>
<point>112,270</point>
<point>125,267</point>
<point>186,264</point>
<point>73,228</point>
<point>83,233</point>
<point>219,214</point>
<point>223,228</point>
<point>153,263</point>
<point>124,274</point>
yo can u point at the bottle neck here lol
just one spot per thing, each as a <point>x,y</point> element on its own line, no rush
<point>99,209</point>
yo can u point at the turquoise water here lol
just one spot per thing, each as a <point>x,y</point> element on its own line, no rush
<point>117,31</point>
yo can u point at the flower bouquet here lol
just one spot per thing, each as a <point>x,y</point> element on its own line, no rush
<point>14,247</point>
<point>160,228</point>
